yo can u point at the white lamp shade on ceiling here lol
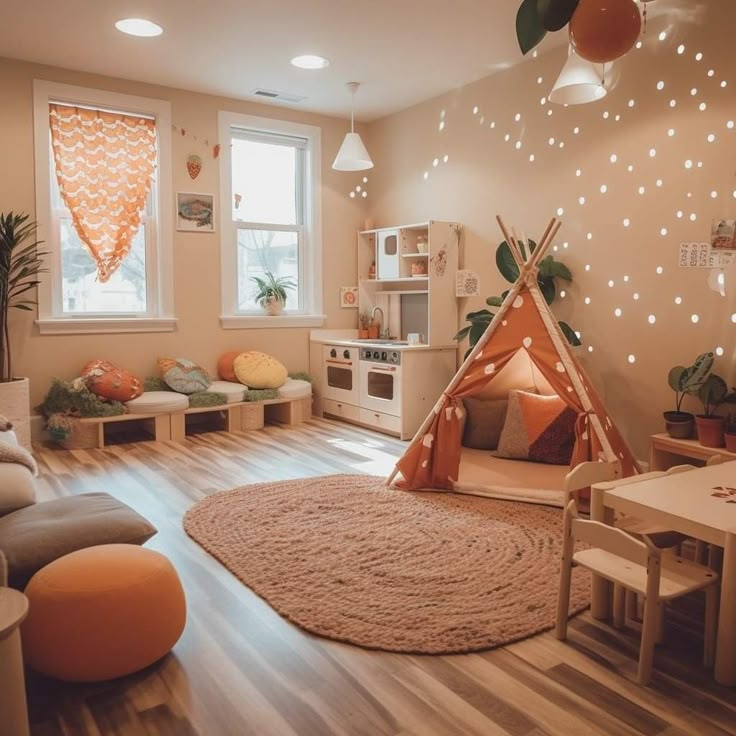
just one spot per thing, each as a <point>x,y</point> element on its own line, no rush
<point>352,155</point>
<point>581,81</point>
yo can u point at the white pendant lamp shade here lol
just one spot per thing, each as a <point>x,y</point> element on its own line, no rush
<point>581,81</point>
<point>352,155</point>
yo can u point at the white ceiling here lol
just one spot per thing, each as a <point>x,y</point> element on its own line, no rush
<point>403,51</point>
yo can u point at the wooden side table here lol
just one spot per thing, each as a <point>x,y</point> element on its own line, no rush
<point>666,452</point>
<point>13,609</point>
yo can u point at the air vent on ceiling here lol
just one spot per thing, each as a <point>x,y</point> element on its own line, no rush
<point>273,94</point>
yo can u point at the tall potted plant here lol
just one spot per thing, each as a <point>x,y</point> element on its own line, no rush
<point>686,381</point>
<point>272,292</point>
<point>711,426</point>
<point>20,265</point>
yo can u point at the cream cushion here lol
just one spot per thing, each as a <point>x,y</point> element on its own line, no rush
<point>295,389</point>
<point>234,392</point>
<point>158,402</point>
<point>258,370</point>
<point>17,487</point>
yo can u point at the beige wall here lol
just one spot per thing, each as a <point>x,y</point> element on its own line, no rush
<point>486,175</point>
<point>196,256</point>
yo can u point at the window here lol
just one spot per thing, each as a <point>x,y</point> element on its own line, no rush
<point>271,219</point>
<point>91,288</point>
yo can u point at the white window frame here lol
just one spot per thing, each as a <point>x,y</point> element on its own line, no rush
<point>310,233</point>
<point>159,316</point>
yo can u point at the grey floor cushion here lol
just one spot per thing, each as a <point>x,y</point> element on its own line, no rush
<point>39,534</point>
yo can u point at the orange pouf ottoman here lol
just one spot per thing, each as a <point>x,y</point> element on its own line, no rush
<point>102,612</point>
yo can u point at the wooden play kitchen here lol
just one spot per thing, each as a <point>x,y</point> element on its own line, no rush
<point>701,504</point>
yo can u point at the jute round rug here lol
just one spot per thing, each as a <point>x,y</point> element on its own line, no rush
<point>347,558</point>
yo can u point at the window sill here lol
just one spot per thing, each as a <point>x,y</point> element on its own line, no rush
<point>268,322</point>
<point>105,325</point>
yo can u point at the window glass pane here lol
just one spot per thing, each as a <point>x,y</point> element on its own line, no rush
<point>264,182</point>
<point>83,293</point>
<point>260,251</point>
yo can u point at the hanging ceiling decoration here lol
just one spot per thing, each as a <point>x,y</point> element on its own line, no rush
<point>581,81</point>
<point>352,155</point>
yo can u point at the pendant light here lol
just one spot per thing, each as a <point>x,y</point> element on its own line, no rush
<point>581,81</point>
<point>352,155</point>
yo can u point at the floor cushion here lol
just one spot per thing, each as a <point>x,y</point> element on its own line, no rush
<point>17,488</point>
<point>102,612</point>
<point>295,389</point>
<point>36,535</point>
<point>105,380</point>
<point>538,428</point>
<point>158,402</point>
<point>235,392</point>
<point>225,366</point>
<point>184,375</point>
<point>258,370</point>
<point>484,422</point>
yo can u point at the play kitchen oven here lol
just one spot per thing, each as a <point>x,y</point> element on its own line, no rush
<point>340,379</point>
<point>380,380</point>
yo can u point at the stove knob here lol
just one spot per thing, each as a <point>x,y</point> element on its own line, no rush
<point>384,356</point>
<point>394,357</point>
<point>333,353</point>
<point>376,355</point>
<point>346,354</point>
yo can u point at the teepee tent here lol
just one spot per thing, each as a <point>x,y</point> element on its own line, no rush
<point>525,323</point>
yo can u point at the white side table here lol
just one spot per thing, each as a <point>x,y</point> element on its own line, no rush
<point>13,609</point>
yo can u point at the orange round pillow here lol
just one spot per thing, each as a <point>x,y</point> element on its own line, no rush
<point>225,366</point>
<point>109,382</point>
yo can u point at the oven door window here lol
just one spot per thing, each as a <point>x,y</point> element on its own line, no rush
<point>381,385</point>
<point>340,377</point>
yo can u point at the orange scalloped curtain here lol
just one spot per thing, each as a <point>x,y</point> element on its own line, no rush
<point>434,461</point>
<point>104,163</point>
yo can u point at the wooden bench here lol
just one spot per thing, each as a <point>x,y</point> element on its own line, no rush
<point>240,416</point>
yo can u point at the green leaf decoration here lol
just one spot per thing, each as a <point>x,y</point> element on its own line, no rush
<point>476,332</point>
<point>529,28</point>
<point>556,14</point>
<point>569,334</point>
<point>481,313</point>
<point>462,334</point>
<point>504,295</point>
<point>548,289</point>
<point>494,301</point>
<point>546,267</point>
<point>506,263</point>
<point>561,271</point>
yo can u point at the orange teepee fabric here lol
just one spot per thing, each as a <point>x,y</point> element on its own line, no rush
<point>104,163</point>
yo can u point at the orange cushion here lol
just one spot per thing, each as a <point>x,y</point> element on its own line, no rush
<point>109,382</point>
<point>102,612</point>
<point>225,366</point>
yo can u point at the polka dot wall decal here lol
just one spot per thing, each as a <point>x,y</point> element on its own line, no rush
<point>694,318</point>
<point>493,124</point>
<point>632,359</point>
<point>475,110</point>
<point>587,300</point>
<point>517,117</point>
<point>678,300</point>
<point>671,132</point>
<point>578,172</point>
<point>614,158</point>
<point>604,188</point>
<point>611,284</point>
<point>575,131</point>
<point>507,137</point>
<point>688,164</point>
<point>724,84</point>
<point>642,190</point>
<point>673,103</point>
<point>441,125</point>
<point>581,200</point>
<point>551,141</point>
<point>589,236</point>
<point>730,124</point>
<point>627,222</point>
<point>517,145</point>
<point>659,182</point>
<point>681,49</point>
<point>662,36</point>
<point>693,217</point>
<point>711,138</point>
<point>652,152</point>
<point>626,278</point>
<point>563,294</point>
<point>631,103</point>
<point>719,351</point>
<point>651,319</point>
<point>679,214</point>
<point>540,80</point>
<point>663,231</point>
<point>630,168</point>
<point>636,296</point>
<point>733,318</point>
<point>435,163</point>
<point>527,342</point>
<point>352,195</point>
<point>364,194</point>
<point>702,107</point>
<point>531,157</point>
<point>618,311</point>
<point>699,56</point>
<point>660,270</point>
<point>694,91</point>
<point>605,115</point>
<point>714,194</point>
<point>587,266</point>
<point>560,212</point>
<point>365,180</point>
<point>445,158</point>
<point>711,72</point>
<point>358,188</point>
<point>590,348</point>
<point>660,85</point>
<point>426,175</point>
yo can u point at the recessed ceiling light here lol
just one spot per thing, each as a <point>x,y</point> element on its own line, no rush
<point>310,61</point>
<point>139,27</point>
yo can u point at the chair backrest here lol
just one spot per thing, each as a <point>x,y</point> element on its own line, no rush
<point>603,536</point>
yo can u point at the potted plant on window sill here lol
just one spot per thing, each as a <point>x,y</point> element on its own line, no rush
<point>711,426</point>
<point>686,381</point>
<point>272,292</point>
<point>20,264</point>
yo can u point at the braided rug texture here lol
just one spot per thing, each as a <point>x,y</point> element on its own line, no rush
<point>347,558</point>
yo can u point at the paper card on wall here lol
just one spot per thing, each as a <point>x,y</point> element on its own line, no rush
<point>703,255</point>
<point>467,283</point>
<point>349,297</point>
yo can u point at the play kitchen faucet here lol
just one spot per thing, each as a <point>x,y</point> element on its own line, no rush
<point>384,333</point>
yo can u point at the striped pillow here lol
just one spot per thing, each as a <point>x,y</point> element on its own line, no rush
<point>538,428</point>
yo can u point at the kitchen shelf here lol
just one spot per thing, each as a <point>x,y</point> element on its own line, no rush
<point>398,280</point>
<point>405,291</point>
<point>415,255</point>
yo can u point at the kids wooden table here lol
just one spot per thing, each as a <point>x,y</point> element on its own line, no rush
<point>13,713</point>
<point>700,503</point>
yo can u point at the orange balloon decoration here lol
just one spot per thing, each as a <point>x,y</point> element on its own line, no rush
<point>604,30</point>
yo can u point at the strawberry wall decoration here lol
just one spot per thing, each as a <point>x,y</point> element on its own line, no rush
<point>194,166</point>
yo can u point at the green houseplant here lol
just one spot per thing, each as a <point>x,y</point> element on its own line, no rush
<point>272,292</point>
<point>20,265</point>
<point>711,426</point>
<point>550,271</point>
<point>686,381</point>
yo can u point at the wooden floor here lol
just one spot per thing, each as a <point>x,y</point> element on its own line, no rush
<point>240,669</point>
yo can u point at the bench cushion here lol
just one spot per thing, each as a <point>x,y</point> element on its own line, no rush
<point>235,392</point>
<point>158,402</point>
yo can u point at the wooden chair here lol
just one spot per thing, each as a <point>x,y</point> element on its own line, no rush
<point>641,567</point>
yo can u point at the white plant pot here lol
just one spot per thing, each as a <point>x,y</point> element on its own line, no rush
<point>273,307</point>
<point>15,404</point>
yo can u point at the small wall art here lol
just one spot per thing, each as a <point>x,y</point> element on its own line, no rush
<point>704,255</point>
<point>349,297</point>
<point>467,283</point>
<point>723,234</point>
<point>195,212</point>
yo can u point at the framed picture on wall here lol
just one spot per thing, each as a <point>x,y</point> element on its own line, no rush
<point>195,213</point>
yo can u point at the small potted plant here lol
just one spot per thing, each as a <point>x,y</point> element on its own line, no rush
<point>272,292</point>
<point>364,320</point>
<point>711,426</point>
<point>686,381</point>
<point>730,434</point>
